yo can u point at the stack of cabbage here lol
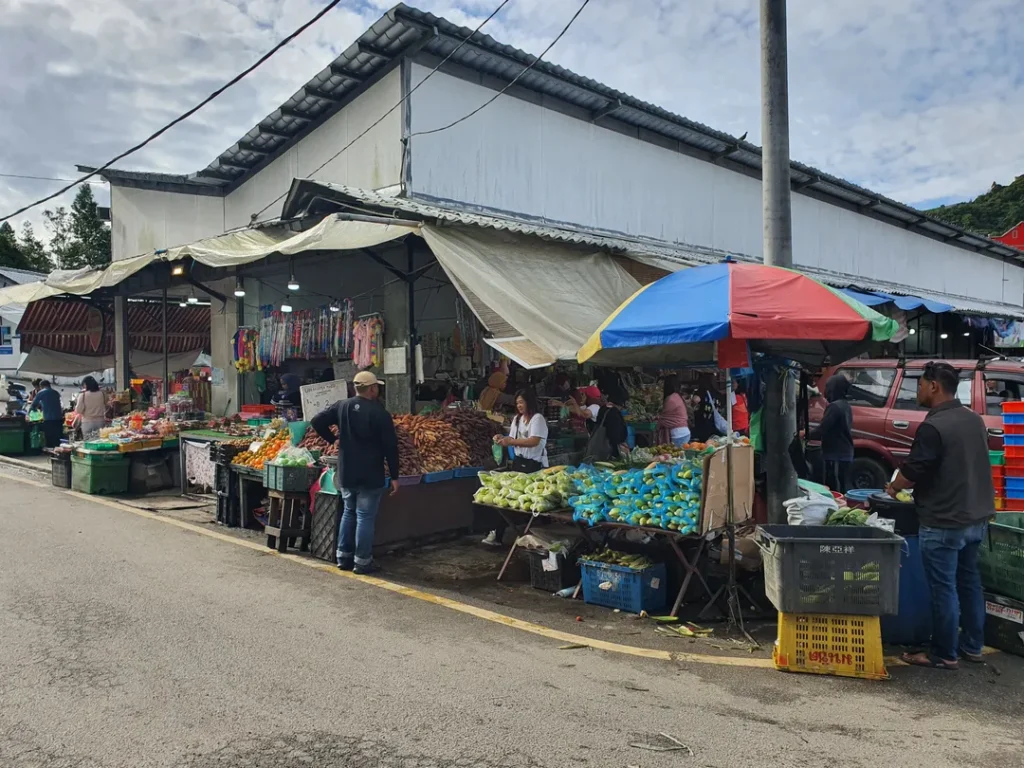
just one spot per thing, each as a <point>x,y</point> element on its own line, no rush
<point>661,496</point>
<point>537,492</point>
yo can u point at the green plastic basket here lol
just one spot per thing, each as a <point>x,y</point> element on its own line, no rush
<point>12,441</point>
<point>1002,556</point>
<point>108,476</point>
<point>996,458</point>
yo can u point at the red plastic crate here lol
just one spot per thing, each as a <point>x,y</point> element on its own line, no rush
<point>262,410</point>
<point>1013,429</point>
<point>1013,505</point>
<point>999,484</point>
<point>1000,471</point>
<point>1014,452</point>
<point>1013,407</point>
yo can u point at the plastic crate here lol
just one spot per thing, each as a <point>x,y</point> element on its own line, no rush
<point>1013,406</point>
<point>229,511</point>
<point>1014,452</point>
<point>1013,505</point>
<point>845,570</point>
<point>996,458</point>
<point>1012,441</point>
<point>99,445</point>
<point>1013,418</point>
<point>1013,429</point>
<point>323,541</point>
<point>1001,560</point>
<point>437,477</point>
<point>1000,503</point>
<point>108,476</point>
<point>1012,483</point>
<point>830,644</point>
<point>12,441</point>
<point>567,574</point>
<point>405,480</point>
<point>468,471</point>
<point>628,589</point>
<point>1004,623</point>
<point>60,472</point>
<point>999,470</point>
<point>260,410</point>
<point>287,479</point>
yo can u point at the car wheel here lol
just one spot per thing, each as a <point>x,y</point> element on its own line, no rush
<point>868,473</point>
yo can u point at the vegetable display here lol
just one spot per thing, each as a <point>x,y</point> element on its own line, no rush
<point>267,451</point>
<point>438,442</point>
<point>847,516</point>
<point>614,557</point>
<point>664,496</point>
<point>541,491</point>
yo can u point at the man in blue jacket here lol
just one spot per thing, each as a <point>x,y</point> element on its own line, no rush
<point>47,400</point>
<point>366,439</point>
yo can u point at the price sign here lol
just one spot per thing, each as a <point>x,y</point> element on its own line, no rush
<point>316,397</point>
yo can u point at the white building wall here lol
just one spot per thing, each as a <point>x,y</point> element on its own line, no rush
<point>146,220</point>
<point>522,158</point>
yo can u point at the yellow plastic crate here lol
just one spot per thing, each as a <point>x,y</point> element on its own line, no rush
<point>830,644</point>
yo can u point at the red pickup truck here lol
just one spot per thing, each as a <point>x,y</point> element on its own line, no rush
<point>883,394</point>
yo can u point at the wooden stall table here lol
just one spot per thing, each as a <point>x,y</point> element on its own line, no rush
<point>288,518</point>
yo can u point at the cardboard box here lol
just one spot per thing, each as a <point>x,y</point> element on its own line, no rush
<point>715,502</point>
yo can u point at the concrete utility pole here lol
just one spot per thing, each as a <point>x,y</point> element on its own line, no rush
<point>780,400</point>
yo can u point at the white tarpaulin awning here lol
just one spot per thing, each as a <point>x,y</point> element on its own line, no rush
<point>151,364</point>
<point>540,300</point>
<point>230,250</point>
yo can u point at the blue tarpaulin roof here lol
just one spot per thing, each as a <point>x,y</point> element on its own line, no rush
<point>906,303</point>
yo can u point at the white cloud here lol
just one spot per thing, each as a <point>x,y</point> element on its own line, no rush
<point>917,99</point>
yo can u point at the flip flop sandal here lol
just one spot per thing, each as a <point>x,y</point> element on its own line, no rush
<point>932,662</point>
<point>971,658</point>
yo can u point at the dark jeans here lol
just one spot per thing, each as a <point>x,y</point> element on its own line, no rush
<point>358,524</point>
<point>950,557</point>
<point>53,431</point>
<point>837,475</point>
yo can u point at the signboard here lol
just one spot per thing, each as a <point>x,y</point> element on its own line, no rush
<point>395,361</point>
<point>316,397</point>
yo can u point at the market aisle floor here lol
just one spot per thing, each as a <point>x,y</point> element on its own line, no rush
<point>127,642</point>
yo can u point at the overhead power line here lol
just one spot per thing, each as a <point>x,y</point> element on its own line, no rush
<point>401,101</point>
<point>44,178</point>
<point>323,12</point>
<point>526,69</point>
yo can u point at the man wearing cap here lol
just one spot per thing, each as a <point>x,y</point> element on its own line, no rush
<point>366,439</point>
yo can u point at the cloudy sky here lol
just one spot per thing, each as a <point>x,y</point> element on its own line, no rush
<point>917,99</point>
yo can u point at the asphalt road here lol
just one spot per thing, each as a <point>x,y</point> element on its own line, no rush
<point>129,642</point>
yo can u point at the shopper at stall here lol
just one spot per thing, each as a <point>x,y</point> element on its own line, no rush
<point>493,395</point>
<point>91,407</point>
<point>47,400</point>
<point>528,439</point>
<point>740,412</point>
<point>949,470</point>
<point>836,434</point>
<point>584,406</point>
<point>608,439</point>
<point>366,439</point>
<point>290,396</point>
<point>673,422</point>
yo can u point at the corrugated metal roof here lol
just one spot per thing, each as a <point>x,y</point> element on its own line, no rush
<point>404,30</point>
<point>21,276</point>
<point>60,325</point>
<point>656,253</point>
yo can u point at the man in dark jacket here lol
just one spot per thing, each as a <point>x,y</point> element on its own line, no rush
<point>47,400</point>
<point>949,470</point>
<point>836,434</point>
<point>366,439</point>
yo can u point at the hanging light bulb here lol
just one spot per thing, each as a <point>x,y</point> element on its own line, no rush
<point>192,298</point>
<point>335,305</point>
<point>293,284</point>
<point>182,304</point>
<point>286,308</point>
<point>239,289</point>
<point>967,333</point>
<point>178,270</point>
<point>943,335</point>
<point>912,331</point>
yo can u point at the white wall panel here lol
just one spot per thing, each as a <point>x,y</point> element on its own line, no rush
<point>522,158</point>
<point>145,220</point>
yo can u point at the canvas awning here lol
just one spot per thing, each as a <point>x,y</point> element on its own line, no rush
<point>539,300</point>
<point>150,364</point>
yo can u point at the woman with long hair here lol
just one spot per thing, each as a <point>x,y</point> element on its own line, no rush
<point>528,438</point>
<point>91,407</point>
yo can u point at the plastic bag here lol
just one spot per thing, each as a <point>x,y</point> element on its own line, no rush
<point>294,456</point>
<point>813,511</point>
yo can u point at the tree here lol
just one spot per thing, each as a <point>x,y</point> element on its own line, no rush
<point>33,250</point>
<point>88,230</point>
<point>10,252</point>
<point>78,238</point>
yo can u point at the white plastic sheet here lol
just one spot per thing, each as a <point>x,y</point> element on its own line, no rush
<point>526,290</point>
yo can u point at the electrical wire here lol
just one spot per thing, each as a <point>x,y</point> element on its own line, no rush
<point>44,178</point>
<point>526,69</point>
<point>401,101</point>
<point>184,116</point>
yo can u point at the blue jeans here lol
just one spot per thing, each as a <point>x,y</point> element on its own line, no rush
<point>950,557</point>
<point>358,521</point>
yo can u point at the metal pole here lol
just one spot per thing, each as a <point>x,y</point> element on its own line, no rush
<point>163,334</point>
<point>780,410</point>
<point>411,282</point>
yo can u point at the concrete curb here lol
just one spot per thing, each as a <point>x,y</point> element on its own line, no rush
<point>12,462</point>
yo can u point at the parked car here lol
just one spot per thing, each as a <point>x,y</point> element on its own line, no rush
<point>883,396</point>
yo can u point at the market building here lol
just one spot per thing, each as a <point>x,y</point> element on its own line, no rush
<point>10,317</point>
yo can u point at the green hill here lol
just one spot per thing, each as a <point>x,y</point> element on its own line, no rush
<point>992,213</point>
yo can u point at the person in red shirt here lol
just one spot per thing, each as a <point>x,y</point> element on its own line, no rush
<point>740,414</point>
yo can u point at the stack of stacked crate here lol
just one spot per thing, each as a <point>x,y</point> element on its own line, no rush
<point>1008,469</point>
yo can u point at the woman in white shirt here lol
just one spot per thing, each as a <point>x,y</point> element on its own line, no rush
<point>91,407</point>
<point>528,437</point>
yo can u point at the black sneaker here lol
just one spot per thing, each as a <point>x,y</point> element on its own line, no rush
<point>345,565</point>
<point>365,570</point>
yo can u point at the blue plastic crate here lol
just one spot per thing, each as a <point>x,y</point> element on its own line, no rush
<point>1015,484</point>
<point>468,471</point>
<point>1013,418</point>
<point>630,590</point>
<point>437,477</point>
<point>1013,439</point>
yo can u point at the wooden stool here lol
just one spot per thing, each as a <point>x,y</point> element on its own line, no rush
<point>288,518</point>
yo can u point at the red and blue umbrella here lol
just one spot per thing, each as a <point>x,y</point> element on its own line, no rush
<point>717,314</point>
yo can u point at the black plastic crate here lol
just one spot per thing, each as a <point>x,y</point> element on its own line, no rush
<point>225,481</point>
<point>324,528</point>
<point>566,575</point>
<point>229,511</point>
<point>844,569</point>
<point>60,472</point>
<point>1004,623</point>
<point>222,454</point>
